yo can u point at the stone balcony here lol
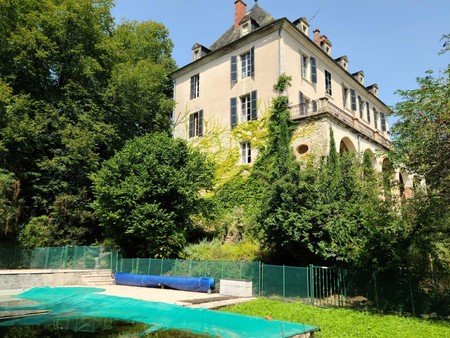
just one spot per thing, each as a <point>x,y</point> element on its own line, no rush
<point>323,106</point>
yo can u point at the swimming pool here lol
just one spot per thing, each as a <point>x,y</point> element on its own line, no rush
<point>71,302</point>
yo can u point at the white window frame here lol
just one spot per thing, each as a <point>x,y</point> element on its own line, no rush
<point>246,152</point>
<point>246,65</point>
<point>246,108</point>
<point>306,66</point>
<point>345,95</point>
<point>196,83</point>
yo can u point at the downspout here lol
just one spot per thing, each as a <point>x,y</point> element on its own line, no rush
<point>281,52</point>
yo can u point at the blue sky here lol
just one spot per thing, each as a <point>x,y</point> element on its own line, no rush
<point>392,41</point>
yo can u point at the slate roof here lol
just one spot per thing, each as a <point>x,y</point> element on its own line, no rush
<point>256,13</point>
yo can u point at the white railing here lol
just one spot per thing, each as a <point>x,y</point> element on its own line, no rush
<point>324,106</point>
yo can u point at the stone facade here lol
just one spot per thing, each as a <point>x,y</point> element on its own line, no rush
<point>231,84</point>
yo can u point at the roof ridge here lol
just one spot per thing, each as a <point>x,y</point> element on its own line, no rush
<point>256,13</point>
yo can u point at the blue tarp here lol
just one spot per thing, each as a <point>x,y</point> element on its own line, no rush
<point>198,284</point>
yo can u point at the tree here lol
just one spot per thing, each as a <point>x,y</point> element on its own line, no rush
<point>421,139</point>
<point>146,193</point>
<point>73,89</point>
<point>421,136</point>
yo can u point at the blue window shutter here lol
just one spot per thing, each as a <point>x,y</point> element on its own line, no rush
<point>383,121</point>
<point>353,98</point>
<point>254,105</point>
<point>191,126</point>
<point>252,62</point>
<point>200,123</point>
<point>233,69</point>
<point>192,88</point>
<point>302,98</point>
<point>313,70</point>
<point>233,112</point>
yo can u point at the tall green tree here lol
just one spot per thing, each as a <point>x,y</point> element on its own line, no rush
<point>421,135</point>
<point>73,89</point>
<point>147,192</point>
<point>421,138</point>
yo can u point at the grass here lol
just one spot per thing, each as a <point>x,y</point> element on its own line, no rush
<point>335,322</point>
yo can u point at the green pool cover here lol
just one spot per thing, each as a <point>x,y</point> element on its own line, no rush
<point>71,303</point>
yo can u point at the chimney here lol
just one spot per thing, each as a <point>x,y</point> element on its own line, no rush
<point>322,41</point>
<point>240,11</point>
<point>317,37</point>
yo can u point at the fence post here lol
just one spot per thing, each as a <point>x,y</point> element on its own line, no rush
<point>259,278</point>
<point>161,270</point>
<point>411,293</point>
<point>374,276</point>
<point>284,281</point>
<point>262,280</point>
<point>311,283</point>
<point>46,257</point>
<point>149,266</point>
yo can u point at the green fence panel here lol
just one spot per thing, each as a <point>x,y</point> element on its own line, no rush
<point>296,282</point>
<point>14,258</point>
<point>272,281</point>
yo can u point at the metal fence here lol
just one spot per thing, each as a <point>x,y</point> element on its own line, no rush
<point>415,294</point>
<point>67,257</point>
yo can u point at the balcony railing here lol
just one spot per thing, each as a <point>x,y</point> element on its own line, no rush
<point>324,106</point>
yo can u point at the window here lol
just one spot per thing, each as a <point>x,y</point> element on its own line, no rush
<point>249,109</point>
<point>302,149</point>
<point>353,99</point>
<point>304,104</point>
<point>245,29</point>
<point>246,108</point>
<point>195,86</point>
<point>344,96</point>
<point>361,107</point>
<point>375,117</point>
<point>383,121</point>
<point>246,153</point>
<point>196,124</point>
<point>368,112</point>
<point>309,70</point>
<point>305,66</point>
<point>328,83</point>
<point>247,66</point>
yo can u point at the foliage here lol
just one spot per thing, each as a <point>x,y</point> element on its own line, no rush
<point>421,139</point>
<point>146,193</point>
<point>318,214</point>
<point>243,251</point>
<point>72,90</point>
<point>37,233</point>
<point>342,322</point>
<point>10,203</point>
<point>421,135</point>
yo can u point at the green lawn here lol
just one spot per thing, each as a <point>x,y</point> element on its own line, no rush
<point>343,322</point>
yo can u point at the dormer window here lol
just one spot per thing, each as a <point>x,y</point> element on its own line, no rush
<point>198,51</point>
<point>196,55</point>
<point>245,29</point>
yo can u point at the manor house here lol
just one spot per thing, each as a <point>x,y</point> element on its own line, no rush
<point>230,83</point>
